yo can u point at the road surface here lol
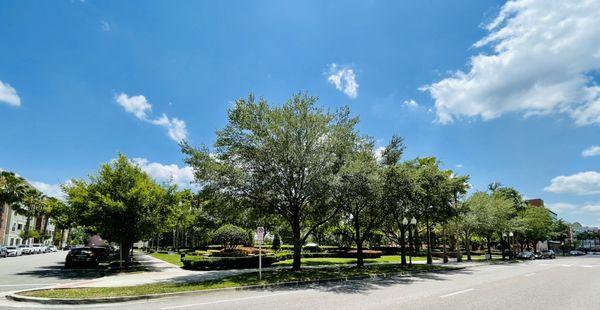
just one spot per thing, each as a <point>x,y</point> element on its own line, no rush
<point>39,270</point>
<point>563,283</point>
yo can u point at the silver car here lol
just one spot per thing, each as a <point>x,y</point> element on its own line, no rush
<point>13,251</point>
<point>26,249</point>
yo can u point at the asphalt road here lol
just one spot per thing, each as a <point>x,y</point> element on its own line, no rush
<point>563,283</point>
<point>39,270</point>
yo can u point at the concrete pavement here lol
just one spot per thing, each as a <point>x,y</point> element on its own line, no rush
<point>564,283</point>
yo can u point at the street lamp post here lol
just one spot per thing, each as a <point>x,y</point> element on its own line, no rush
<point>504,239</point>
<point>510,236</point>
<point>404,225</point>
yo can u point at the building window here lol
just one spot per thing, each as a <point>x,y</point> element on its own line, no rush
<point>13,228</point>
<point>20,226</point>
<point>12,241</point>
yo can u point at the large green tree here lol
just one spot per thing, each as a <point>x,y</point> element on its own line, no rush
<point>358,192</point>
<point>280,159</point>
<point>118,203</point>
<point>490,214</point>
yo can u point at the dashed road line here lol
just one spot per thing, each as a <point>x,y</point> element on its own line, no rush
<point>456,293</point>
<point>530,274</point>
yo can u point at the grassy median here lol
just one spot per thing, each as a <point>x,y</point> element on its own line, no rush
<point>316,261</point>
<point>269,277</point>
<point>172,258</point>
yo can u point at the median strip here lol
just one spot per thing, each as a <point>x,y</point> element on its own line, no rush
<point>240,281</point>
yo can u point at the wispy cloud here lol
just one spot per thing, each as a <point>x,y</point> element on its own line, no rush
<point>344,80</point>
<point>540,63</point>
<point>171,174</point>
<point>104,25</point>
<point>583,183</point>
<point>411,103</point>
<point>9,95</point>
<point>591,151</point>
<point>141,108</point>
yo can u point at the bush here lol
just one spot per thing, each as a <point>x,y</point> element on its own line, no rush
<point>276,243</point>
<point>230,236</point>
<point>215,263</point>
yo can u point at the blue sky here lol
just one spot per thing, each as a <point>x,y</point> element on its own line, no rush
<point>501,91</point>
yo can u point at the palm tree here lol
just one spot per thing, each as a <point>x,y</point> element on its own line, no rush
<point>12,188</point>
<point>30,206</point>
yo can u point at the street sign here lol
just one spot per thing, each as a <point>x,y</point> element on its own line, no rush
<point>260,235</point>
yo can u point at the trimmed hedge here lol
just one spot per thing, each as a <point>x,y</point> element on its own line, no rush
<point>216,263</point>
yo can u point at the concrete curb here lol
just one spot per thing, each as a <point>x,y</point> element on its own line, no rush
<point>103,300</point>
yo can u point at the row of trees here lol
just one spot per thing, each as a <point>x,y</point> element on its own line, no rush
<point>26,200</point>
<point>302,173</point>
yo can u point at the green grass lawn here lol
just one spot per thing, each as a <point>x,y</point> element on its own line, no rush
<point>315,261</point>
<point>169,258</point>
<point>269,277</point>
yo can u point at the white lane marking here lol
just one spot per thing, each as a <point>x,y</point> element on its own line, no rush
<point>456,293</point>
<point>28,284</point>
<point>587,266</point>
<point>530,274</point>
<point>566,265</point>
<point>544,264</point>
<point>226,300</point>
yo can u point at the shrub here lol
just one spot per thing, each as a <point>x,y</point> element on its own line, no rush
<point>214,263</point>
<point>230,236</point>
<point>276,243</point>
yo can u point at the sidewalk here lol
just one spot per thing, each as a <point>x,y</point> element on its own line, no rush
<point>161,271</point>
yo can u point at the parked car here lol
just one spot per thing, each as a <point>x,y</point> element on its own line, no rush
<point>13,251</point>
<point>26,249</point>
<point>3,252</point>
<point>87,256</point>
<point>526,255</point>
<point>36,248</point>
<point>576,253</point>
<point>547,254</point>
<point>51,248</point>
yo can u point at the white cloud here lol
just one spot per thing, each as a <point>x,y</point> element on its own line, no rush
<point>105,25</point>
<point>9,95</point>
<point>411,103</point>
<point>344,79</point>
<point>591,151</point>
<point>591,208</point>
<point>137,105</point>
<point>51,190</point>
<point>561,206</point>
<point>176,128</point>
<point>140,107</point>
<point>542,54</point>
<point>459,166</point>
<point>583,183</point>
<point>379,153</point>
<point>172,174</point>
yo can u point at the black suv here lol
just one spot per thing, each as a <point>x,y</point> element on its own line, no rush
<point>3,251</point>
<point>87,257</point>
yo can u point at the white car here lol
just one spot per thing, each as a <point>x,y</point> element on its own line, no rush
<point>25,249</point>
<point>51,248</point>
<point>37,248</point>
<point>13,251</point>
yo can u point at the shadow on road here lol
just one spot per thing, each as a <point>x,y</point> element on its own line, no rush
<point>58,271</point>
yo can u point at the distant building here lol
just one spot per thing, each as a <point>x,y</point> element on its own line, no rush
<point>13,224</point>
<point>548,244</point>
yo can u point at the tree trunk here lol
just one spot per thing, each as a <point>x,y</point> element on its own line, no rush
<point>125,249</point>
<point>27,228</point>
<point>458,249</point>
<point>468,245</point>
<point>359,254</point>
<point>297,244</point>
<point>429,258</point>
<point>359,242</point>
<point>489,247</point>
<point>402,247</point>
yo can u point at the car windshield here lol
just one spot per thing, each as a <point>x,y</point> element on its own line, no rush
<point>10,247</point>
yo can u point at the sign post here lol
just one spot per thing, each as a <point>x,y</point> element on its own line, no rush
<point>260,235</point>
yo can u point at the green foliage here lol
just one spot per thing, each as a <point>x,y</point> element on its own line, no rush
<point>121,203</point>
<point>278,160</point>
<point>215,263</point>
<point>230,236</point>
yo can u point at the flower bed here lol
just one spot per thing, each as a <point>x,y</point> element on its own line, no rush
<point>216,263</point>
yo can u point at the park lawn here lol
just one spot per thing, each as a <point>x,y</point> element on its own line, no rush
<point>172,258</point>
<point>316,261</point>
<point>247,279</point>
